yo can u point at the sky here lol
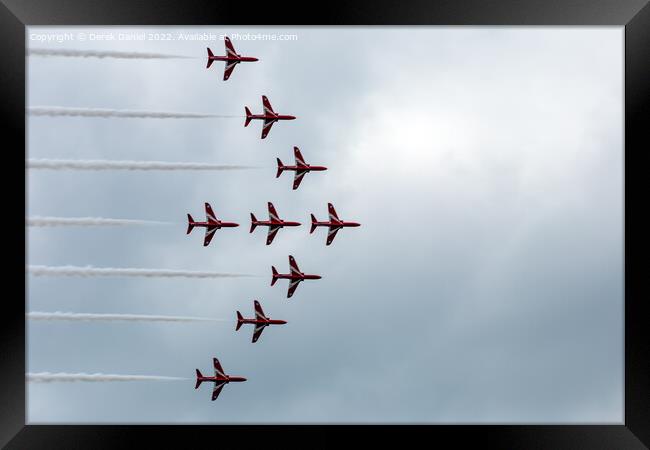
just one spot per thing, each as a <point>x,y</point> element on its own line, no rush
<point>485,284</point>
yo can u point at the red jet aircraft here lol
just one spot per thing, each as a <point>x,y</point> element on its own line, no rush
<point>274,223</point>
<point>301,168</point>
<point>335,224</point>
<point>295,277</point>
<point>211,224</point>
<point>220,379</point>
<point>260,321</point>
<point>231,59</point>
<point>269,117</point>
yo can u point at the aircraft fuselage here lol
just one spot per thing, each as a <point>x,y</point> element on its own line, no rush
<point>226,379</point>
<point>290,276</point>
<point>336,224</point>
<point>271,117</point>
<point>267,321</point>
<point>233,58</point>
<point>306,168</point>
<point>273,223</point>
<point>218,224</point>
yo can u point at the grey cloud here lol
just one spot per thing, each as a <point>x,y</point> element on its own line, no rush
<point>484,285</point>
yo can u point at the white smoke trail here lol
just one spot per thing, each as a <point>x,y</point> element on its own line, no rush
<point>58,315</point>
<point>37,221</point>
<point>89,271</point>
<point>71,164</point>
<point>48,377</point>
<point>101,54</point>
<point>99,112</point>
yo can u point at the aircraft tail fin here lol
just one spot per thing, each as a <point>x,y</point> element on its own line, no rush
<point>253,223</point>
<point>280,168</point>
<point>240,320</point>
<point>249,116</point>
<point>313,224</point>
<point>198,379</point>
<point>190,224</point>
<point>275,275</point>
<point>210,60</point>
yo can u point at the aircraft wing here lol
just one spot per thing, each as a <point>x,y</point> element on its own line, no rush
<point>218,370</point>
<point>267,127</point>
<point>209,214</point>
<point>332,234</point>
<point>209,233</point>
<point>293,285</point>
<point>272,232</point>
<point>293,265</point>
<point>258,332</point>
<point>266,104</point>
<point>217,390</point>
<point>300,161</point>
<point>259,313</point>
<point>333,216</point>
<point>230,66</point>
<point>298,178</point>
<point>273,214</point>
<point>230,49</point>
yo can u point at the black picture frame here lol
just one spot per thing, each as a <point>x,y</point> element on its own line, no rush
<point>634,15</point>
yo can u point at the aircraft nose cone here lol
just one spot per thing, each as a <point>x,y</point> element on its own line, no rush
<point>235,224</point>
<point>318,277</point>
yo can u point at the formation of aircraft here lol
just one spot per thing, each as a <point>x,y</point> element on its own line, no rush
<point>274,223</point>
<point>232,58</point>
<point>211,224</point>
<point>334,224</point>
<point>220,379</point>
<point>260,321</point>
<point>295,276</point>
<point>269,116</point>
<point>301,168</point>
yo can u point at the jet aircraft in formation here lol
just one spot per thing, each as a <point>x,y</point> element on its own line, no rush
<point>295,276</point>
<point>269,116</point>
<point>260,321</point>
<point>274,223</point>
<point>334,224</point>
<point>211,224</point>
<point>232,58</point>
<point>301,168</point>
<point>220,379</point>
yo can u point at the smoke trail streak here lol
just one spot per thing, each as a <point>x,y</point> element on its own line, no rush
<point>89,271</point>
<point>48,377</point>
<point>99,112</point>
<point>58,315</point>
<point>101,54</point>
<point>37,221</point>
<point>71,164</point>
